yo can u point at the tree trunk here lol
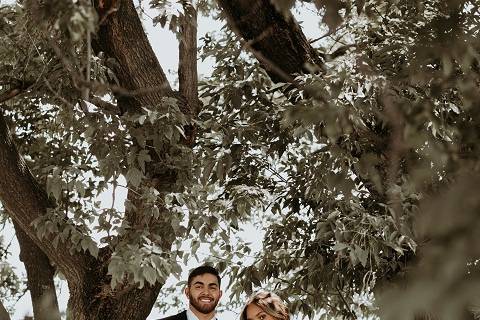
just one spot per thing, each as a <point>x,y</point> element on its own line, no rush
<point>131,303</point>
<point>121,37</point>
<point>25,200</point>
<point>275,39</point>
<point>187,65</point>
<point>39,278</point>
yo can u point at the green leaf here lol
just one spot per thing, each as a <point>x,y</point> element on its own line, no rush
<point>332,16</point>
<point>150,274</point>
<point>142,158</point>
<point>220,171</point>
<point>84,243</point>
<point>80,188</point>
<point>93,249</point>
<point>195,246</point>
<point>362,255</point>
<point>207,170</point>
<point>54,187</point>
<point>340,246</point>
<point>134,176</point>
<point>55,241</point>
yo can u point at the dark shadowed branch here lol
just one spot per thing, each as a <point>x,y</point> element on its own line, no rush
<point>25,200</point>
<point>40,275</point>
<point>275,39</point>
<point>187,66</point>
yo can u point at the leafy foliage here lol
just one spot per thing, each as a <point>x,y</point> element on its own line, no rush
<point>337,169</point>
<point>12,285</point>
<point>343,160</point>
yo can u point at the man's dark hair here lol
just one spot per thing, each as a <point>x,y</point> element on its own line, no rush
<point>202,270</point>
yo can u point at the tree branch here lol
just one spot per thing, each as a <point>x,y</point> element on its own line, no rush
<point>277,40</point>
<point>25,201</point>
<point>39,277</point>
<point>187,66</point>
<point>121,37</point>
<point>104,105</point>
<point>17,88</point>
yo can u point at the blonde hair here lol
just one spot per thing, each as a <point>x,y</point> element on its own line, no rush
<point>270,303</point>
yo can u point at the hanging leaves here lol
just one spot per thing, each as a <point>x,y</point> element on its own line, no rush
<point>332,16</point>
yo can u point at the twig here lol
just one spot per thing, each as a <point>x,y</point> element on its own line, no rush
<point>105,105</point>
<point>395,153</point>
<point>19,88</point>
<point>330,32</point>
<point>86,90</point>
<point>345,302</point>
<point>47,83</point>
<point>273,171</point>
<point>9,94</point>
<point>95,85</point>
<point>301,289</point>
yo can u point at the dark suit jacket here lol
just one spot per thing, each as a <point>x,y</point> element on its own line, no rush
<point>181,316</point>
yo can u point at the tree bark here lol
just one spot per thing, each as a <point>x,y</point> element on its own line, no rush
<point>187,65</point>
<point>39,278</point>
<point>25,201</point>
<point>275,39</point>
<point>121,37</point>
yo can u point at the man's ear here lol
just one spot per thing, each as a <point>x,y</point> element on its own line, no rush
<point>221,293</point>
<point>187,292</point>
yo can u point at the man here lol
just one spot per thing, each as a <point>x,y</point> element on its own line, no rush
<point>203,293</point>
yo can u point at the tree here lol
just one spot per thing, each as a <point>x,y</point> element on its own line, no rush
<point>344,147</point>
<point>357,155</point>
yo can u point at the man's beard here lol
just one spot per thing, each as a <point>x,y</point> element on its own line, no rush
<point>202,307</point>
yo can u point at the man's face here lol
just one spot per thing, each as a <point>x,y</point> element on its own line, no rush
<point>204,293</point>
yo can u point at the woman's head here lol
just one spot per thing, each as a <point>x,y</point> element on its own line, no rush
<point>265,305</point>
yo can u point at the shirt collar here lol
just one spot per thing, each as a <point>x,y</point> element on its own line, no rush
<point>192,316</point>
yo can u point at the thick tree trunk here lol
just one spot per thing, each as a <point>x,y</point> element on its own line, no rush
<point>39,278</point>
<point>121,37</point>
<point>130,303</point>
<point>275,39</point>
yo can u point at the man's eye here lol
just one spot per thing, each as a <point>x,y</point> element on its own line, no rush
<point>262,317</point>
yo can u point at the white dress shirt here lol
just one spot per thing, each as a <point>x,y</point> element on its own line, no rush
<point>192,316</point>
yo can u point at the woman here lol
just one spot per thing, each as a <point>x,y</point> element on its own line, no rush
<point>264,305</point>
